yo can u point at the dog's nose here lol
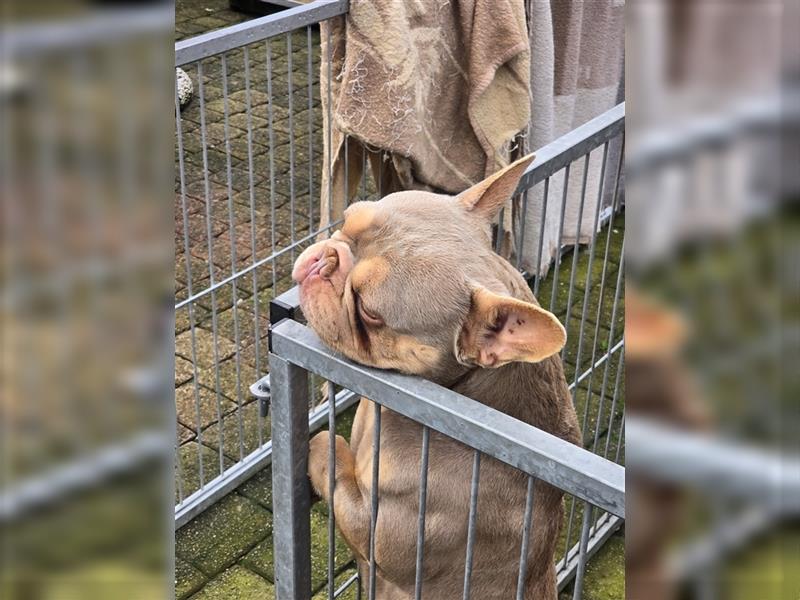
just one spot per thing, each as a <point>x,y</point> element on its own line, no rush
<point>323,259</point>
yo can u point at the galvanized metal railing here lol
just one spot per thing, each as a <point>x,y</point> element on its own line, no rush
<point>296,351</point>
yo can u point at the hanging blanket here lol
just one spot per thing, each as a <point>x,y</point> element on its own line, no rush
<point>439,87</point>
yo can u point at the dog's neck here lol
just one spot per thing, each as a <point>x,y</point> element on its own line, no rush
<point>534,393</point>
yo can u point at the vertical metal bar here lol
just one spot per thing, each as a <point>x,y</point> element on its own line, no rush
<point>250,176</point>
<point>560,235</point>
<point>271,133</point>
<point>586,293</point>
<point>498,242</point>
<point>570,521</point>
<point>331,489</point>
<point>232,230</point>
<point>575,248</point>
<point>292,498</point>
<point>611,419</point>
<point>364,173</point>
<point>526,536</point>
<point>346,171</point>
<point>522,227</point>
<point>588,282</point>
<point>473,517</point>
<point>179,474</point>
<point>289,67</point>
<point>189,286</point>
<point>423,499</point>
<point>610,342</point>
<point>310,133</point>
<point>577,592</point>
<point>373,523</point>
<point>207,191</point>
<point>329,166</point>
<point>541,238</point>
<point>621,437</point>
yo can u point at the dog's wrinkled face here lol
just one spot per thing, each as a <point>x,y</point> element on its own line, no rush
<point>411,283</point>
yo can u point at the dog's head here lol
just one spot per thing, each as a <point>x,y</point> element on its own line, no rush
<point>411,283</point>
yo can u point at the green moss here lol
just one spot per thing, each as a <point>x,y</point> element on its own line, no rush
<point>223,533</point>
<point>769,569</point>
<point>189,456</point>
<point>259,488</point>
<point>261,559</point>
<point>250,421</point>
<point>187,579</point>
<point>237,583</point>
<point>605,572</point>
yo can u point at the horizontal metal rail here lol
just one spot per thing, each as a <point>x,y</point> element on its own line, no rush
<point>719,468</point>
<point>108,26</point>
<point>536,452</point>
<point>657,148</point>
<point>256,30</point>
<point>573,145</point>
<point>81,473</point>
<point>257,460</point>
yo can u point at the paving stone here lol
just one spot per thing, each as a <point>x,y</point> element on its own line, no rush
<point>227,322</point>
<point>237,583</point>
<point>261,558</point>
<point>239,176</point>
<point>234,107</point>
<point>259,488</point>
<point>186,406</point>
<point>197,226</point>
<point>183,371</point>
<point>204,347</point>
<point>605,573</point>
<point>189,471</point>
<point>224,532</point>
<point>240,121</point>
<point>183,434</point>
<point>240,149</point>
<point>184,314</point>
<point>257,97</point>
<point>187,579</point>
<point>227,376</point>
<point>223,295</point>
<point>230,432</point>
<point>209,23</point>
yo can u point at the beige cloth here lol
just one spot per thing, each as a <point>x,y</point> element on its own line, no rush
<point>440,87</point>
<point>577,51</point>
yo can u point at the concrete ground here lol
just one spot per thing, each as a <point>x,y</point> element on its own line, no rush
<point>227,551</point>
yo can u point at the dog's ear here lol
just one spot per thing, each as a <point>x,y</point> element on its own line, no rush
<point>500,329</point>
<point>652,329</point>
<point>488,197</point>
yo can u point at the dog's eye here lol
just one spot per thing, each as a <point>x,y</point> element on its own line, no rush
<point>369,318</point>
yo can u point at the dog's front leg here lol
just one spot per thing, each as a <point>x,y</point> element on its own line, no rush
<point>350,506</point>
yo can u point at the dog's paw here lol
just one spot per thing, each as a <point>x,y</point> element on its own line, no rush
<point>318,461</point>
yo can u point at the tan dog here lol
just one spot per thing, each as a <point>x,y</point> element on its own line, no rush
<point>411,283</point>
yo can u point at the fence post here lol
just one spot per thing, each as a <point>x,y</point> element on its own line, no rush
<point>290,487</point>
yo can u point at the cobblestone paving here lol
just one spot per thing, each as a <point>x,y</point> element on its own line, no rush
<point>247,195</point>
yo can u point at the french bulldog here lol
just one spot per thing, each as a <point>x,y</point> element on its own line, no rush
<point>411,283</point>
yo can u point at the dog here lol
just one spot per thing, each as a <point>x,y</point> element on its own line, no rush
<point>411,283</point>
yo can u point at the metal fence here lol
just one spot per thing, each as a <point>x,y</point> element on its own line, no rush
<point>249,158</point>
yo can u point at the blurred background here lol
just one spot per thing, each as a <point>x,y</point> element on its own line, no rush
<point>86,412</point>
<point>711,314</point>
<point>86,92</point>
